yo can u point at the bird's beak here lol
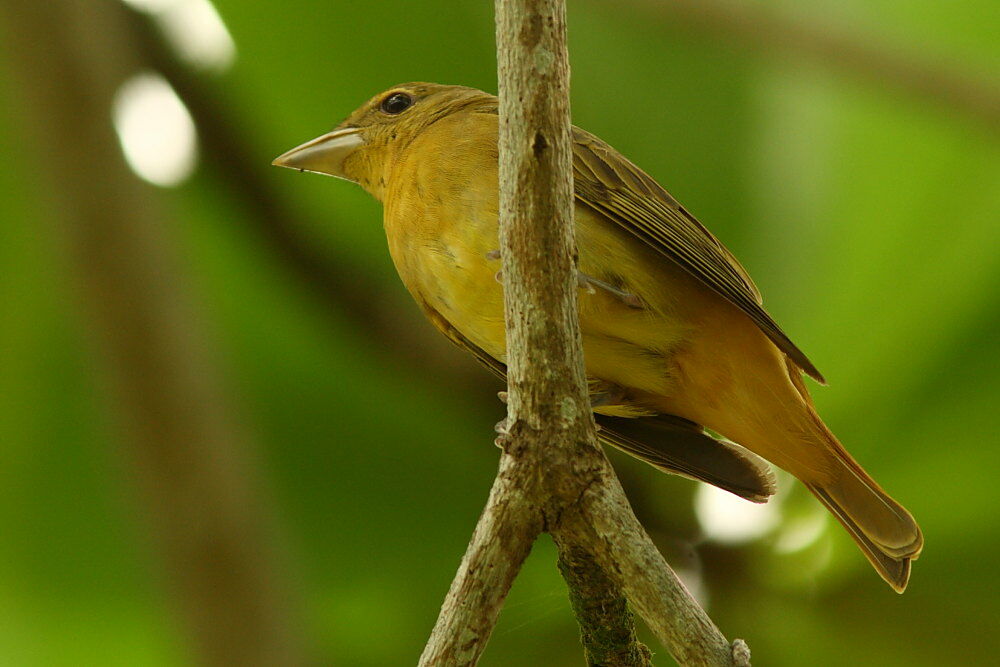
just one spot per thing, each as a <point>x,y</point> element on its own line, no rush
<point>323,155</point>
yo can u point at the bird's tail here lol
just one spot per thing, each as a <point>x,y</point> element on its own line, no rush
<point>885,531</point>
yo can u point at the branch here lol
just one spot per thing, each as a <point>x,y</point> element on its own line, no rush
<point>502,539</point>
<point>775,34</point>
<point>607,627</point>
<point>603,523</point>
<point>552,468</point>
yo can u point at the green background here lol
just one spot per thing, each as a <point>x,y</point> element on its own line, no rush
<point>868,217</point>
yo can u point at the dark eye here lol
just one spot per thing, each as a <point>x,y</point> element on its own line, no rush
<point>396,103</point>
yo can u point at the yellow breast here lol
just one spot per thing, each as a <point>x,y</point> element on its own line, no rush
<point>441,223</point>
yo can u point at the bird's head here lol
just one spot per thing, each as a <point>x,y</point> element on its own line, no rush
<point>363,147</point>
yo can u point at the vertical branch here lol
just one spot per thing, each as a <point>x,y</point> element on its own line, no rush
<point>552,469</point>
<point>184,444</point>
<point>549,410</point>
<point>547,387</point>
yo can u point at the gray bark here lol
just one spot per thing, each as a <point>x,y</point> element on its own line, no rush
<point>552,468</point>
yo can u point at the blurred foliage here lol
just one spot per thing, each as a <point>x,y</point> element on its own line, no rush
<point>869,220</point>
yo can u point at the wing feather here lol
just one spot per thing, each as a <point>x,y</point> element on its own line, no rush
<point>607,183</point>
<point>671,444</point>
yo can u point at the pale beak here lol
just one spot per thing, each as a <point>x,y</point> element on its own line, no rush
<point>323,155</point>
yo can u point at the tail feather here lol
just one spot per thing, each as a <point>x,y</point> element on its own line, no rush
<point>895,569</point>
<point>885,531</point>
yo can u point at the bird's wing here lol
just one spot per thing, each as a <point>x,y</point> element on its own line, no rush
<point>607,183</point>
<point>681,447</point>
<point>671,444</point>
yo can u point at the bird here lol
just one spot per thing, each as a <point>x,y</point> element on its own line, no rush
<point>686,369</point>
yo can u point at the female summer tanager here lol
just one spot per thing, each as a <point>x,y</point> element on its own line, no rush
<point>674,335</point>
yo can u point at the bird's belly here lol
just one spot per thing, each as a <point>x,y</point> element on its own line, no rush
<point>628,346</point>
<point>460,283</point>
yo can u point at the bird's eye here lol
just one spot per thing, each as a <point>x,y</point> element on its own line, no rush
<point>396,103</point>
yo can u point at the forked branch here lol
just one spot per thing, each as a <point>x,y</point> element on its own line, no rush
<point>553,475</point>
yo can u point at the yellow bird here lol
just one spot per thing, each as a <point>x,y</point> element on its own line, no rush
<point>674,335</point>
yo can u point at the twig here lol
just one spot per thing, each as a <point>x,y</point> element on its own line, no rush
<point>771,33</point>
<point>551,462</point>
<point>502,539</point>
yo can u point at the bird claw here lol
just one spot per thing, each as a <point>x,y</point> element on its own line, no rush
<point>585,282</point>
<point>502,395</point>
<point>591,284</point>
<point>614,395</point>
<point>631,300</point>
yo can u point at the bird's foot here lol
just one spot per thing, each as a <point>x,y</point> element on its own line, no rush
<point>494,255</point>
<point>591,285</point>
<point>585,282</point>
<point>502,429</point>
<point>612,394</point>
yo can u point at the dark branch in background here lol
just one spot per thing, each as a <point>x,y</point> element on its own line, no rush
<point>337,278</point>
<point>773,33</point>
<point>607,626</point>
<point>347,287</point>
<point>227,149</point>
<point>553,475</point>
<point>183,444</point>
